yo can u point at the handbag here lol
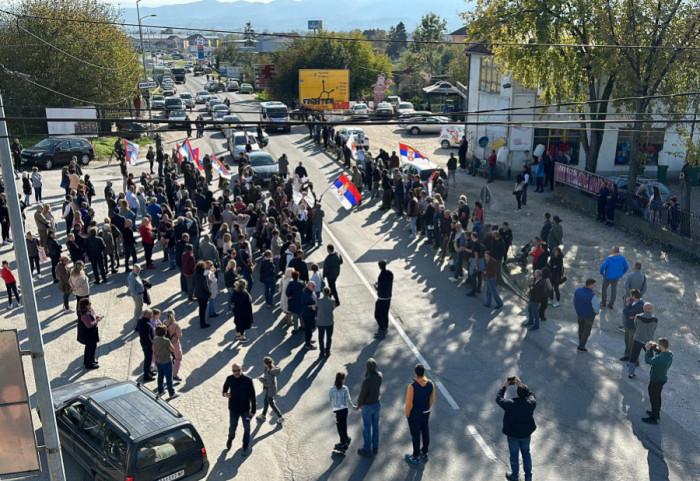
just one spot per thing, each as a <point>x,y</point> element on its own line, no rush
<point>562,280</point>
<point>42,254</point>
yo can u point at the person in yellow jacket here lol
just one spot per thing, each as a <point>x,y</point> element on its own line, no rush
<point>420,397</point>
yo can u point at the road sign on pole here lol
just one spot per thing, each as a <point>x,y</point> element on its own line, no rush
<point>148,85</point>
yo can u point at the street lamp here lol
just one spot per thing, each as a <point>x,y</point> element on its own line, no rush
<point>143,59</point>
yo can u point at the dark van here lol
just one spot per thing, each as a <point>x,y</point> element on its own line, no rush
<point>121,431</point>
<point>178,74</point>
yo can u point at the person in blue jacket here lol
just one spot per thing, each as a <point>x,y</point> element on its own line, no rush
<point>612,270</point>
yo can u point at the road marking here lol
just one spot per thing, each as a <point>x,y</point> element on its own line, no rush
<point>482,444</point>
<point>392,319</point>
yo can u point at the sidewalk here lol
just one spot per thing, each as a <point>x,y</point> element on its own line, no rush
<point>673,288</point>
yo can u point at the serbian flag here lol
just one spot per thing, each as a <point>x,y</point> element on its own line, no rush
<point>223,171</point>
<point>409,154</point>
<point>132,151</point>
<point>352,145</point>
<point>346,192</point>
<point>182,153</point>
<point>429,184</point>
<point>193,155</point>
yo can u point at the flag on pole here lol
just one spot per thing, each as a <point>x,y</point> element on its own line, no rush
<point>132,151</point>
<point>346,192</point>
<point>409,154</point>
<point>182,154</point>
<point>193,155</point>
<point>352,145</point>
<point>429,184</point>
<point>197,160</point>
<point>223,171</point>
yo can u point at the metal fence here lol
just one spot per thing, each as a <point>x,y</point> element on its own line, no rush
<point>667,217</point>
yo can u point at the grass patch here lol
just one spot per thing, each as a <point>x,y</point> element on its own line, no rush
<point>104,145</point>
<point>264,96</point>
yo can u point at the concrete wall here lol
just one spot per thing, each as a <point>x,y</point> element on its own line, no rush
<point>649,233</point>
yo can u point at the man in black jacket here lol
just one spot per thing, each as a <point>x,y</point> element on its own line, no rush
<point>537,295</point>
<point>240,392</point>
<point>518,425</point>
<point>146,335</point>
<point>331,270</point>
<point>95,247</point>
<point>298,264</point>
<point>384,285</point>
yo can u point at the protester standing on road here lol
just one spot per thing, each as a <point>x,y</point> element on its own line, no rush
<point>644,329</point>
<point>309,303</point>
<point>331,270</point>
<point>283,163</point>
<point>614,267</point>
<point>17,149</point>
<point>79,283</point>
<point>660,362</point>
<point>587,307</point>
<point>88,333</point>
<point>242,305</point>
<point>452,169</point>
<point>63,273</point>
<point>324,322</point>
<point>240,392</point>
<point>340,401</point>
<point>636,280</point>
<point>556,233</point>
<point>491,277</point>
<point>269,382</point>
<point>536,295</point>
<point>556,269</point>
<point>634,306</point>
<point>369,401</point>
<point>420,397</point>
<point>384,286</point>
<point>174,334</point>
<point>462,153</point>
<point>136,290</point>
<point>201,291</point>
<point>163,351</point>
<point>151,157</point>
<point>146,336</point>
<point>518,426</point>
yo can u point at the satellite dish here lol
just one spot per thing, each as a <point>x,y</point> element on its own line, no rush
<point>483,141</point>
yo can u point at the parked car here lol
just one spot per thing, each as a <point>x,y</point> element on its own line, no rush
<point>403,108</point>
<point>59,151</point>
<point>623,183</point>
<point>173,103</point>
<point>426,125</point>
<point>361,138</point>
<point>232,86</point>
<point>246,88</point>
<point>360,111</point>
<point>158,102</point>
<point>237,142</point>
<point>393,100</point>
<point>180,119</point>
<point>425,169</point>
<point>264,166</point>
<point>131,130</point>
<point>214,87</point>
<point>202,97</point>
<point>451,136</point>
<point>187,99</point>
<point>384,109</point>
<point>120,431</point>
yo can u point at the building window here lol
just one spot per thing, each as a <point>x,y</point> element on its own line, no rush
<point>651,142</point>
<point>489,76</point>
<point>561,144</point>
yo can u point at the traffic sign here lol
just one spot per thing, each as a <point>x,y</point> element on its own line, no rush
<point>148,85</point>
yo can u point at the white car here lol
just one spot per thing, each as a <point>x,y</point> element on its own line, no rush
<point>237,142</point>
<point>404,108</point>
<point>158,102</point>
<point>187,99</point>
<point>361,138</point>
<point>384,109</point>
<point>169,89</point>
<point>426,125</point>
<point>202,96</point>
<point>219,111</point>
<point>360,111</point>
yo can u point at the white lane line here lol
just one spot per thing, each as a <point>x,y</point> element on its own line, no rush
<point>396,325</point>
<point>482,444</point>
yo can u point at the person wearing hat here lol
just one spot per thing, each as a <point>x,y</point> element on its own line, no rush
<point>556,234</point>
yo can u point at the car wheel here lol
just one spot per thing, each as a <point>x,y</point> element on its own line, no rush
<point>85,159</point>
<point>415,131</point>
<point>48,163</point>
<point>445,144</point>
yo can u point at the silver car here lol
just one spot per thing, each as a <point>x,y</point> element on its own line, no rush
<point>158,102</point>
<point>426,125</point>
<point>187,99</point>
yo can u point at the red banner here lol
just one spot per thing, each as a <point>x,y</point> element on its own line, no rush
<point>575,177</point>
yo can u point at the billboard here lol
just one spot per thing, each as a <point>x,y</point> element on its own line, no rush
<point>324,89</point>
<point>85,128</point>
<point>263,74</point>
<point>580,179</point>
<point>315,24</point>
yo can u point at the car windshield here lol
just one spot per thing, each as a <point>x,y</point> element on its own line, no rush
<point>360,107</point>
<point>173,101</point>
<point>185,96</point>
<point>405,105</point>
<point>164,447</point>
<point>384,106</point>
<point>158,97</point>
<point>277,112</point>
<point>220,107</point>
<point>261,161</point>
<point>47,144</point>
<point>240,140</point>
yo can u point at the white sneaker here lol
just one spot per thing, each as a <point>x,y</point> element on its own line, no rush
<point>68,311</point>
<point>454,279</point>
<point>556,304</point>
<point>280,420</point>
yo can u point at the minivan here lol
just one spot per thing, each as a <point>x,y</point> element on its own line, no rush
<point>121,431</point>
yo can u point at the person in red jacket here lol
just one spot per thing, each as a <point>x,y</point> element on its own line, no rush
<point>10,283</point>
<point>188,263</point>
<point>537,252</point>
<point>148,240</point>
<point>492,166</point>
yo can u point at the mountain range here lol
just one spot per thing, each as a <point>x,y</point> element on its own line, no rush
<point>292,15</point>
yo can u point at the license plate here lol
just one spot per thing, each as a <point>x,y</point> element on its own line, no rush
<point>171,477</point>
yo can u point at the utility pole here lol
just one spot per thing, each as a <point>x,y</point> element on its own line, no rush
<point>44,399</point>
<point>145,70</point>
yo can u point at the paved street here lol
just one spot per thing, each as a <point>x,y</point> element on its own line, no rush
<point>589,418</point>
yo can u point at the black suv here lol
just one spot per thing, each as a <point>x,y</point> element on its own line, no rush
<point>122,431</point>
<point>51,152</point>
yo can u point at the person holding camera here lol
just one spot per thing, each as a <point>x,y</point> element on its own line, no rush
<point>518,425</point>
<point>644,329</point>
<point>660,359</point>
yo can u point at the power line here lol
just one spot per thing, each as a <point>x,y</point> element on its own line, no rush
<point>78,58</point>
<point>346,39</point>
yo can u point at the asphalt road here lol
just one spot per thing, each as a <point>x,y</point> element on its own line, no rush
<point>589,425</point>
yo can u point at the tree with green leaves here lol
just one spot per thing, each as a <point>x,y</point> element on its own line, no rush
<point>324,51</point>
<point>249,35</point>
<point>432,28</point>
<point>91,62</point>
<point>377,37</point>
<point>398,36</point>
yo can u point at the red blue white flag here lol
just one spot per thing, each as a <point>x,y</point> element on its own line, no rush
<point>346,192</point>
<point>409,154</point>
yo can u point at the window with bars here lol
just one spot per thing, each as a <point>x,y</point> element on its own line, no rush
<point>651,142</point>
<point>489,76</point>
